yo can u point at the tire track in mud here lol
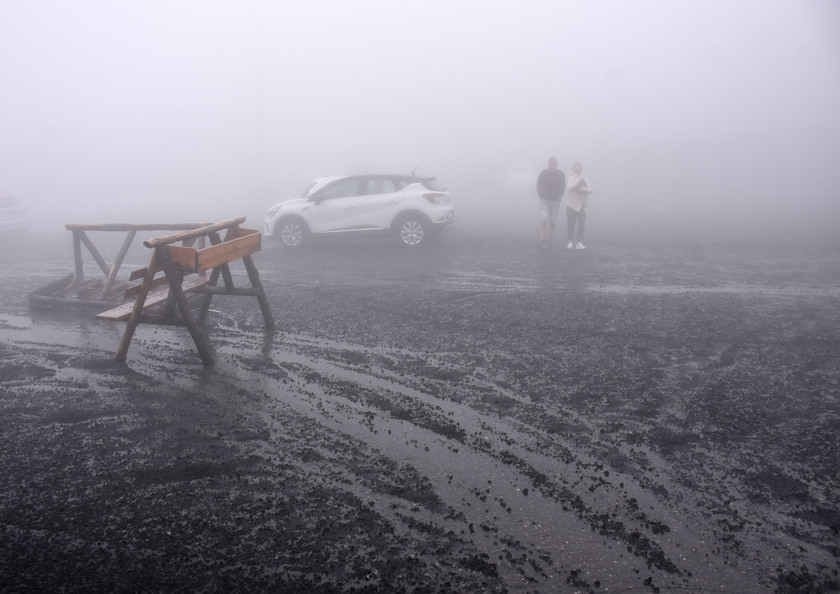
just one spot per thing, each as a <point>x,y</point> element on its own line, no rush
<point>174,475</point>
<point>501,477</point>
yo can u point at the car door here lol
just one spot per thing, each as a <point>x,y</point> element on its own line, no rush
<point>379,204</point>
<point>333,208</point>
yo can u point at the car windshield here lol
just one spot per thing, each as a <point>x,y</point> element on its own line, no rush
<point>318,184</point>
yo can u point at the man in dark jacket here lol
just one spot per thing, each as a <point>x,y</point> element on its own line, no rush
<point>550,187</point>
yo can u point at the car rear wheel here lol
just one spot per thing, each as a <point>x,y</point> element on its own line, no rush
<point>291,232</point>
<point>413,231</point>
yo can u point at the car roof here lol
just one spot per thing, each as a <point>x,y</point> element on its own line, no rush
<point>320,182</point>
<point>404,176</point>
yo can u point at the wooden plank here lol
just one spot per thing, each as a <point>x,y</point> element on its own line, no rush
<point>133,290</point>
<point>55,286</point>
<point>77,287</point>
<point>91,292</point>
<point>123,311</point>
<point>140,273</point>
<point>183,257</point>
<point>70,292</point>
<point>228,251</point>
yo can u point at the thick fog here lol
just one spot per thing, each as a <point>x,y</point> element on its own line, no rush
<point>162,110</point>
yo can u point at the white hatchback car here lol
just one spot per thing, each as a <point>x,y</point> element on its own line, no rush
<point>13,216</point>
<point>415,209</point>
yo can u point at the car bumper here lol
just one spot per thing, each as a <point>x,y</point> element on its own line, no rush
<point>14,223</point>
<point>444,222</point>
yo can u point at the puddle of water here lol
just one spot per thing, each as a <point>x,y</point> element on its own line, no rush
<point>14,322</point>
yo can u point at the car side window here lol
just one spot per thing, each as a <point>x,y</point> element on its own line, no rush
<point>367,186</point>
<point>375,185</point>
<point>340,189</point>
<point>390,185</point>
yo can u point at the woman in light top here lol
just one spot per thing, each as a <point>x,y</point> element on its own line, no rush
<point>577,201</point>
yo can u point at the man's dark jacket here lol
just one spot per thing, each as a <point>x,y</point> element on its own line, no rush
<point>551,184</point>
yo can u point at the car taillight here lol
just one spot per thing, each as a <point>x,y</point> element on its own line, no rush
<point>436,197</point>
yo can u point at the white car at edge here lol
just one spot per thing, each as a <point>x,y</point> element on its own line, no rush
<point>415,209</point>
<point>13,217</point>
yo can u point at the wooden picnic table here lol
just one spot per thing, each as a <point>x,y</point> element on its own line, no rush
<point>185,269</point>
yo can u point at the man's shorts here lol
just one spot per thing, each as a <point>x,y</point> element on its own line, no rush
<point>549,210</point>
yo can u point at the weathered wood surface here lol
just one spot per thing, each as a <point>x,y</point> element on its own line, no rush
<point>206,230</point>
<point>133,226</point>
<point>153,298</point>
<point>176,261</point>
<point>228,251</point>
<point>133,290</point>
<point>107,289</point>
<point>112,275</point>
<point>187,259</point>
<point>64,293</point>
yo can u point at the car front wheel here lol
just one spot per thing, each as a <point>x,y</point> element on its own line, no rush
<point>413,232</point>
<point>291,232</point>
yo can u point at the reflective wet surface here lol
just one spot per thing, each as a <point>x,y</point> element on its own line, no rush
<point>476,416</point>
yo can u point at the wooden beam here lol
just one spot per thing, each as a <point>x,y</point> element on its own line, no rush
<point>77,253</point>
<point>199,338</point>
<point>254,277</point>
<point>106,270</point>
<point>175,237</point>
<point>208,296</point>
<point>134,289</point>
<point>117,263</point>
<point>133,226</point>
<point>137,308</point>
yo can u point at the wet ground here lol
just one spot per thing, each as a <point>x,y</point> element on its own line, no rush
<point>648,415</point>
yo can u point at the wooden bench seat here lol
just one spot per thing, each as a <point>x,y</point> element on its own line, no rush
<point>122,312</point>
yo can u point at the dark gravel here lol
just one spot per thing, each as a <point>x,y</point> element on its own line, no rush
<point>641,416</point>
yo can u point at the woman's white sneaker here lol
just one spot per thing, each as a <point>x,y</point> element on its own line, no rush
<point>579,246</point>
<point>570,246</point>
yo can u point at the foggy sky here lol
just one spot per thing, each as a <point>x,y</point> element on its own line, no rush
<point>158,109</point>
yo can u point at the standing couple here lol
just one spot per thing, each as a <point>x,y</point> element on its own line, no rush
<point>551,185</point>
